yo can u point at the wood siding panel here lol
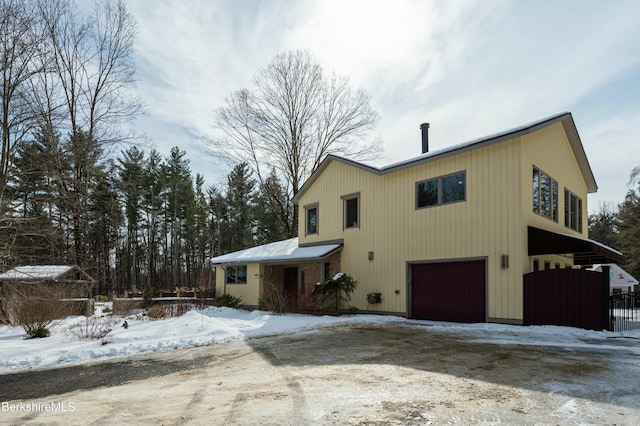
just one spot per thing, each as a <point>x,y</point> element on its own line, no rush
<point>491,222</point>
<point>549,150</point>
<point>482,226</point>
<point>249,292</point>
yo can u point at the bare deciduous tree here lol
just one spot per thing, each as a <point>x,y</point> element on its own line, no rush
<point>295,117</point>
<point>90,69</point>
<point>19,46</point>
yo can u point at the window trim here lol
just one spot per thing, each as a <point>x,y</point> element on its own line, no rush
<point>307,209</point>
<point>345,199</point>
<point>235,267</point>
<point>439,190</point>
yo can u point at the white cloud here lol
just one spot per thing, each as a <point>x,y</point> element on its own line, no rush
<point>468,68</point>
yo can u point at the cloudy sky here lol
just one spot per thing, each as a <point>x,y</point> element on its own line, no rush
<point>470,68</point>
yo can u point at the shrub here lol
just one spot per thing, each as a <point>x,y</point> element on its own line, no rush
<point>126,307</point>
<point>274,300</point>
<point>36,315</point>
<point>229,301</point>
<point>336,291</point>
<point>38,332</point>
<point>94,328</point>
<point>168,310</point>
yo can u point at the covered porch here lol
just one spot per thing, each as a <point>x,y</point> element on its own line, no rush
<point>583,251</point>
<point>282,267</point>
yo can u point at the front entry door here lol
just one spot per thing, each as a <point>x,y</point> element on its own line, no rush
<point>291,285</point>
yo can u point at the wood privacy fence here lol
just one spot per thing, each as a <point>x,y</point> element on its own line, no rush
<point>567,297</point>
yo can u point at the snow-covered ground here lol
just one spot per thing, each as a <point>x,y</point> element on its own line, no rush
<point>218,325</point>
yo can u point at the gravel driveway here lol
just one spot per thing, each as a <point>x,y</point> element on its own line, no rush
<point>355,374</point>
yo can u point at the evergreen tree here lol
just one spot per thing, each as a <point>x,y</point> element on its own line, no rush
<point>179,201</point>
<point>629,226</point>
<point>240,207</point>
<point>602,226</point>
<point>131,172</point>
<point>272,206</point>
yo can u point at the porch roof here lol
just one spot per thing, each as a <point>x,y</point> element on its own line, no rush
<point>279,252</point>
<point>584,250</point>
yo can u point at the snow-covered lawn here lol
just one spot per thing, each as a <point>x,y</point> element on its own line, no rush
<point>218,325</point>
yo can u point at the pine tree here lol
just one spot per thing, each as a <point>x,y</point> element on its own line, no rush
<point>273,209</point>
<point>602,226</point>
<point>240,206</point>
<point>629,227</point>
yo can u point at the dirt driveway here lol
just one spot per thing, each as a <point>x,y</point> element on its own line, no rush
<point>354,375</point>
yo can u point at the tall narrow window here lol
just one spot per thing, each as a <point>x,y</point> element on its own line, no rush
<point>572,211</point>
<point>554,200</point>
<point>545,195</point>
<point>312,219</point>
<point>351,211</point>
<point>536,191</point>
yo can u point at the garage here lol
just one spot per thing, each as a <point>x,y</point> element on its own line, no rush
<point>448,291</point>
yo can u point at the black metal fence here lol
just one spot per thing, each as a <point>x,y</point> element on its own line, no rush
<point>624,311</point>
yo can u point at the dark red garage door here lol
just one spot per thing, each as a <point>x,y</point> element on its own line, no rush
<point>451,291</point>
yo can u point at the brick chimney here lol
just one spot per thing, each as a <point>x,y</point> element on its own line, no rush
<point>424,127</point>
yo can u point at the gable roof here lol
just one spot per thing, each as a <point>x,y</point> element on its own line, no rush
<point>565,118</point>
<point>278,252</point>
<point>42,272</point>
<point>618,277</point>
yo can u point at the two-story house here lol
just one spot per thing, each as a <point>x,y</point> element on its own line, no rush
<point>446,235</point>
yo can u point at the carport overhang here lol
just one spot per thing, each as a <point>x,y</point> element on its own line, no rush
<point>583,250</point>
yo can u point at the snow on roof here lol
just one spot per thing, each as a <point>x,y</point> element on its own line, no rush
<point>618,276</point>
<point>286,250</point>
<point>463,145</point>
<point>450,150</point>
<point>38,272</point>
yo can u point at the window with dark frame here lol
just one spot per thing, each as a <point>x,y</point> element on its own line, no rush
<point>572,211</point>
<point>237,274</point>
<point>351,211</point>
<point>312,220</point>
<point>545,194</point>
<point>441,190</point>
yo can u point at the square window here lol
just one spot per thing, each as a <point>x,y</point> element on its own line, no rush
<point>453,188</point>
<point>427,193</point>
<point>237,274</point>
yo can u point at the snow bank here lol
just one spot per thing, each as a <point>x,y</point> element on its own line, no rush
<point>218,325</point>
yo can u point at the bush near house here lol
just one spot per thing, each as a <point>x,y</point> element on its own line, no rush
<point>274,300</point>
<point>336,291</point>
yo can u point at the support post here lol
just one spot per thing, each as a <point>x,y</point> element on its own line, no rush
<point>607,311</point>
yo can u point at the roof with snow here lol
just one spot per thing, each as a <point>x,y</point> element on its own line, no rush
<point>565,118</point>
<point>278,252</point>
<point>41,272</point>
<point>618,277</point>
